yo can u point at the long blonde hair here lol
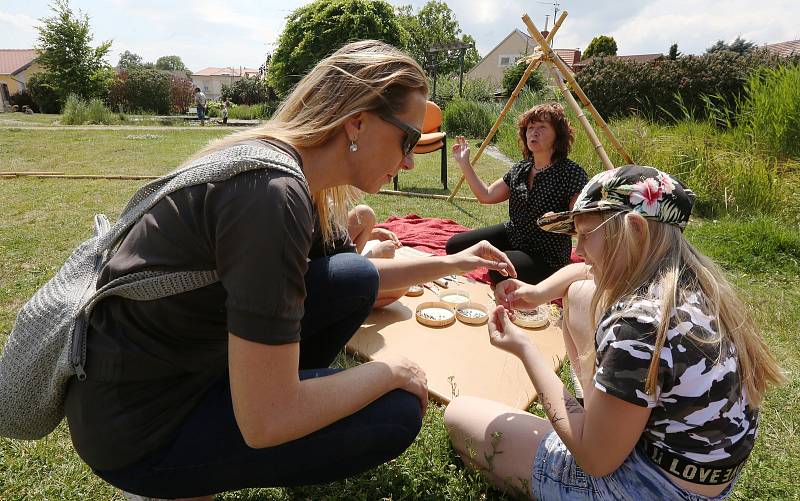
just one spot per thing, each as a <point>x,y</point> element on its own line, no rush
<point>662,264</point>
<point>360,76</point>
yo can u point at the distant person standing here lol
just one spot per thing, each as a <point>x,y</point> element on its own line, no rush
<point>225,105</point>
<point>201,101</point>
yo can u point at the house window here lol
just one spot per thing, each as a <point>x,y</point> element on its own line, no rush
<point>506,60</point>
<point>205,87</point>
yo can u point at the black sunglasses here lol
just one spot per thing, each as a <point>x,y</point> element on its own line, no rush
<point>412,134</point>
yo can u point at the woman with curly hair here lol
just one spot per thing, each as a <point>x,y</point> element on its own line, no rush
<point>544,181</point>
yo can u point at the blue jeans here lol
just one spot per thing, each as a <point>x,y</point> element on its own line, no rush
<point>557,477</point>
<point>201,112</point>
<point>209,455</point>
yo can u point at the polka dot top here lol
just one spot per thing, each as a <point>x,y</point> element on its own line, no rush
<point>551,191</point>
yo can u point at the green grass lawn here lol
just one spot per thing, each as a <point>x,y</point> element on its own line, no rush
<point>41,220</point>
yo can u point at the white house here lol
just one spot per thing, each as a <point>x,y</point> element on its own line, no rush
<point>210,80</point>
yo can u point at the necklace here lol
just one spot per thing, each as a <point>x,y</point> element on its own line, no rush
<point>540,169</point>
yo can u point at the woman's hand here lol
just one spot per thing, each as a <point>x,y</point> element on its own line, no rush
<point>408,376</point>
<point>514,294</point>
<point>461,151</point>
<point>505,335</point>
<point>484,254</point>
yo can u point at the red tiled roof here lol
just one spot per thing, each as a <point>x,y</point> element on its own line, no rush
<point>570,56</point>
<point>13,60</point>
<point>635,58</point>
<point>784,49</point>
<point>226,72</point>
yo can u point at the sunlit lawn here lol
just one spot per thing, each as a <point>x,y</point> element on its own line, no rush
<point>41,220</point>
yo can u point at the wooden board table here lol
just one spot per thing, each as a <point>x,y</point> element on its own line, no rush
<point>458,359</point>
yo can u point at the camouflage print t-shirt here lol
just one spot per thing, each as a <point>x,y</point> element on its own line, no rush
<point>700,411</point>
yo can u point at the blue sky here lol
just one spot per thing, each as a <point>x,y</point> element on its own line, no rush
<point>240,32</point>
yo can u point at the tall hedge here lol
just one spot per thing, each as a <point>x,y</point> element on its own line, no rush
<point>621,88</point>
<point>142,89</point>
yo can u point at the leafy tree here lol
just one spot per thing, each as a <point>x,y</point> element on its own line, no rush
<point>601,46</point>
<point>72,65</point>
<point>513,74</point>
<point>170,63</point>
<point>128,60</point>
<point>739,46</point>
<point>436,24</point>
<point>316,30</point>
<point>673,52</point>
<point>248,90</point>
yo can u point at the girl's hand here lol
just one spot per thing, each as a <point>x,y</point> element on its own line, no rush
<point>505,335</point>
<point>382,250</point>
<point>514,294</point>
<point>408,376</point>
<point>383,235</point>
<point>461,151</point>
<point>484,254</point>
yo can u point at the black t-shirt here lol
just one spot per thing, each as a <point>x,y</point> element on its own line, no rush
<point>150,362</point>
<point>551,191</point>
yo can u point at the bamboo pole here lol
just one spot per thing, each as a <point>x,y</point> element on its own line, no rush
<point>598,146</point>
<point>570,77</point>
<point>83,176</point>
<point>26,173</point>
<point>574,84</point>
<point>532,66</point>
<point>425,195</point>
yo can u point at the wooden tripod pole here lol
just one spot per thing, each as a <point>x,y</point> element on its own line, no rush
<point>532,66</point>
<point>565,71</point>
<point>598,146</point>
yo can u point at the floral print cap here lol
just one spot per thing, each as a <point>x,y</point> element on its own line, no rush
<point>630,188</point>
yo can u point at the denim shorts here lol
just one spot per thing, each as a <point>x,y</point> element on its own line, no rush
<point>556,476</point>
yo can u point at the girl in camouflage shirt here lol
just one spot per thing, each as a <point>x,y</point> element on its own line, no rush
<point>680,369</point>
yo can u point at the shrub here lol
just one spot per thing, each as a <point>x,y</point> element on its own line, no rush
<point>513,74</point>
<point>469,118</point>
<point>44,94</point>
<point>74,112</point>
<point>181,94</point>
<point>98,113</point>
<point>621,88</point>
<point>248,90</point>
<point>770,111</point>
<point>142,90</point>
<point>78,112</point>
<point>477,89</point>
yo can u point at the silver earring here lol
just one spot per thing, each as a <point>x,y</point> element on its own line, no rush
<point>353,147</point>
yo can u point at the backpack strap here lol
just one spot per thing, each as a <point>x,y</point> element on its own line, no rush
<point>149,285</point>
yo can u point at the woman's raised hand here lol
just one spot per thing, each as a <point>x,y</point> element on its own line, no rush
<point>484,254</point>
<point>516,295</point>
<point>461,150</point>
<point>505,335</point>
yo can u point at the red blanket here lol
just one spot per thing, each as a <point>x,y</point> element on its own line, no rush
<point>430,234</point>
